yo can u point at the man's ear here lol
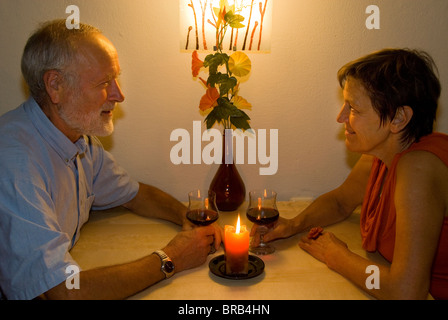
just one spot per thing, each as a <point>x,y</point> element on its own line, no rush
<point>53,80</point>
<point>402,117</point>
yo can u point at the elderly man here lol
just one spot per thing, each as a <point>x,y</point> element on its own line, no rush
<point>53,171</point>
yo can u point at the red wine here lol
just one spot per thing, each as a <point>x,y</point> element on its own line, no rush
<point>262,215</point>
<point>202,217</point>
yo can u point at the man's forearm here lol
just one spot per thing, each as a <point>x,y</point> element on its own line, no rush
<point>155,203</point>
<point>112,282</point>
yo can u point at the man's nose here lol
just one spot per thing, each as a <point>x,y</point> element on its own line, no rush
<point>115,92</point>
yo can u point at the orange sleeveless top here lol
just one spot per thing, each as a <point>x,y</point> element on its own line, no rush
<point>378,212</point>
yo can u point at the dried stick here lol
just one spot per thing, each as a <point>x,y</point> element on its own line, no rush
<point>188,37</point>
<point>196,23</point>
<point>203,8</point>
<point>252,36</point>
<point>262,12</point>
<point>248,24</point>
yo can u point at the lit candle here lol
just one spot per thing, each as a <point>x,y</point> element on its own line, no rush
<point>236,241</point>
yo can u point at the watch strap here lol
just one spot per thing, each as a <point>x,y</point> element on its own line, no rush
<point>165,259</point>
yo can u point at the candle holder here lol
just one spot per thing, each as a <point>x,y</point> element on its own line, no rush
<point>218,267</point>
<point>236,263</point>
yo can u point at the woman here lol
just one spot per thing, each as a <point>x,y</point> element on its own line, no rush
<point>401,180</point>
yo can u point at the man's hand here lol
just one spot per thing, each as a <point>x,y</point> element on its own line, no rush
<point>190,248</point>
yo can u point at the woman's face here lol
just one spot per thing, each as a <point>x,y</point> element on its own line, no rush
<point>364,132</point>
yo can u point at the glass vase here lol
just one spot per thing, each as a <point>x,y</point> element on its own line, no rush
<point>227,182</point>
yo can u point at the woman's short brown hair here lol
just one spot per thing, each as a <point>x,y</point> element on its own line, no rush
<point>395,78</point>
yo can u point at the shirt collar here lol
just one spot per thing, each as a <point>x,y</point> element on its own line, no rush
<point>66,149</point>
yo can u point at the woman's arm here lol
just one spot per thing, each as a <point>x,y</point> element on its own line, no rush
<point>329,208</point>
<point>420,201</point>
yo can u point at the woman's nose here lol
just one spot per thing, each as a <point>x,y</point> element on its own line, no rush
<point>343,114</point>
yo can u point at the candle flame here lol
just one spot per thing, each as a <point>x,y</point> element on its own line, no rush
<point>259,203</point>
<point>237,230</point>
<point>206,203</point>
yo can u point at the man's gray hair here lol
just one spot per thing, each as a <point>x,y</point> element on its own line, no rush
<point>52,47</point>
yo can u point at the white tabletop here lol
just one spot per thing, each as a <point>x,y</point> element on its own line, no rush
<point>118,236</point>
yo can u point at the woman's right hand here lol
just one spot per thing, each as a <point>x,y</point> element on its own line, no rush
<point>280,229</point>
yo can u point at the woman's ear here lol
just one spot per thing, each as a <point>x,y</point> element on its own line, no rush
<point>402,117</point>
<point>53,80</point>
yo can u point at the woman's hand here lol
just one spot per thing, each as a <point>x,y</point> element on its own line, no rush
<point>323,246</point>
<point>280,229</point>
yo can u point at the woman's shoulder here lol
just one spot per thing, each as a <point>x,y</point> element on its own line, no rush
<point>424,170</point>
<point>421,159</point>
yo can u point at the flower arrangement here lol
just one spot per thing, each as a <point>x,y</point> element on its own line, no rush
<point>222,102</point>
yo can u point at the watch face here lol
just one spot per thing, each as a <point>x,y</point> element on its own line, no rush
<point>168,266</point>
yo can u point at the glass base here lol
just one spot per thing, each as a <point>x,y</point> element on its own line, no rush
<point>262,249</point>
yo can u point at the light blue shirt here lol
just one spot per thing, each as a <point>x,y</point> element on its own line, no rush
<point>48,185</point>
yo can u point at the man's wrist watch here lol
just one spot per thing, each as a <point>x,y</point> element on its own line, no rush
<point>167,264</point>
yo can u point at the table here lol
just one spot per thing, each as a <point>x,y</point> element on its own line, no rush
<point>118,236</point>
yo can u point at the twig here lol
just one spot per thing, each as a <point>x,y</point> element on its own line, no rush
<point>262,12</point>
<point>248,25</point>
<point>252,36</point>
<point>196,23</point>
<point>188,37</point>
<point>203,8</point>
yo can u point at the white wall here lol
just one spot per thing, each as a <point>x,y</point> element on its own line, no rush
<point>293,89</point>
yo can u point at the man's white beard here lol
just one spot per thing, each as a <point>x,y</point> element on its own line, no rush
<point>92,123</point>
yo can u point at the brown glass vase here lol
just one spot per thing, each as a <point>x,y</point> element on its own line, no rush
<point>227,183</point>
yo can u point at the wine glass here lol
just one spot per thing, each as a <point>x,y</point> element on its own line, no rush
<point>202,209</point>
<point>262,210</point>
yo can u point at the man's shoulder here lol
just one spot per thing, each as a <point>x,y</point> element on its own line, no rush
<point>18,141</point>
<point>13,117</point>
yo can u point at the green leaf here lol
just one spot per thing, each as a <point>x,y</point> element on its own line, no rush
<point>226,85</point>
<point>216,78</point>
<point>214,116</point>
<point>234,20</point>
<point>213,61</point>
<point>226,110</point>
<point>241,122</point>
<point>224,82</point>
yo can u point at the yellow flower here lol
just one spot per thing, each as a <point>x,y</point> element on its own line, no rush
<point>239,64</point>
<point>241,103</point>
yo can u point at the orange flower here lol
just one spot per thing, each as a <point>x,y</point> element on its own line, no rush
<point>209,100</point>
<point>196,64</point>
